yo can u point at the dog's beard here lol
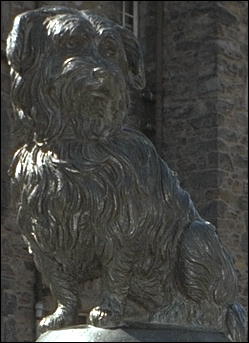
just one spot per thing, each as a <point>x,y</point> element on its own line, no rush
<point>93,110</point>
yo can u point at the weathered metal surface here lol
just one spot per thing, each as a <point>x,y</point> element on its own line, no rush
<point>135,334</point>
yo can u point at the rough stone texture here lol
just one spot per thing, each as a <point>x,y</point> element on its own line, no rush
<point>204,129</point>
<point>18,279</point>
<point>142,111</point>
<point>205,113</point>
<point>17,295</point>
<point>232,115</point>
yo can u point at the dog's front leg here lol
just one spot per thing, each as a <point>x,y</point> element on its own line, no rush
<point>64,288</point>
<point>66,312</point>
<point>116,280</point>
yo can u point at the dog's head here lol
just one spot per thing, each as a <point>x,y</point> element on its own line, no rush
<point>71,71</point>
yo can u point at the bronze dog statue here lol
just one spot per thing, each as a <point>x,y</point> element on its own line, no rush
<point>94,199</point>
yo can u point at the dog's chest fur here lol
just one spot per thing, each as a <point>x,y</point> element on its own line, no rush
<point>83,194</point>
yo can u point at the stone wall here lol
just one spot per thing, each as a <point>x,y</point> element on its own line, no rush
<point>232,119</point>
<point>18,272</point>
<point>204,113</point>
<point>142,111</point>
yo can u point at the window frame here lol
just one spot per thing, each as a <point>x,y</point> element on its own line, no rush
<point>133,16</point>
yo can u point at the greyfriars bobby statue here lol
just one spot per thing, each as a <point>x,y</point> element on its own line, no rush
<point>94,199</point>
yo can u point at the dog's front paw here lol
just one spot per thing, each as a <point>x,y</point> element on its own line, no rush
<point>60,318</point>
<point>103,317</point>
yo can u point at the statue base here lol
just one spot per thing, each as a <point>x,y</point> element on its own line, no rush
<point>134,333</point>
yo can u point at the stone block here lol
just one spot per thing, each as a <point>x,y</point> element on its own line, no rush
<point>243,203</point>
<point>9,303</point>
<point>9,330</point>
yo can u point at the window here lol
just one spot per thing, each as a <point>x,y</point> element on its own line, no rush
<point>130,16</point>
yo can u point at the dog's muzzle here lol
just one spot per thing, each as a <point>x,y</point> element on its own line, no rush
<point>94,97</point>
<point>99,85</point>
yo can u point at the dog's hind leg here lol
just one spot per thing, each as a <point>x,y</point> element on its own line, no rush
<point>206,276</point>
<point>64,287</point>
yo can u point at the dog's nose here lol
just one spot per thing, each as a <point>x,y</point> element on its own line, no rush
<point>99,73</point>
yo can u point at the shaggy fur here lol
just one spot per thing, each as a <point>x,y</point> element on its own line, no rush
<point>94,199</point>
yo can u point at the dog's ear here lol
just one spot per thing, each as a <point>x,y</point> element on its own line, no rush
<point>134,58</point>
<point>22,41</point>
<point>26,46</point>
<point>25,40</point>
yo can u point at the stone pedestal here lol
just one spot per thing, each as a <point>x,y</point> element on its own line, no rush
<point>145,333</point>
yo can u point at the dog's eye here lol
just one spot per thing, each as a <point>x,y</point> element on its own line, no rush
<point>76,42</point>
<point>72,43</point>
<point>109,48</point>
